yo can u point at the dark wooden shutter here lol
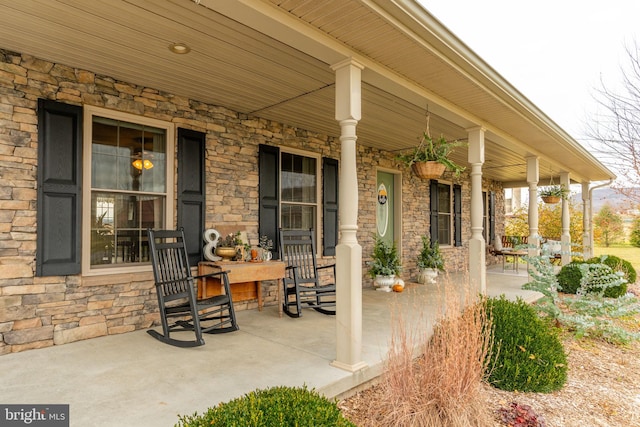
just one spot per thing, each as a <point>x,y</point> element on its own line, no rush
<point>433,210</point>
<point>269,195</point>
<point>192,190</point>
<point>59,211</point>
<point>457,215</point>
<point>329,206</point>
<point>492,216</point>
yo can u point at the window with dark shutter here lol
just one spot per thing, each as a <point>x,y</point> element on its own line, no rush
<point>289,194</point>
<point>445,213</point>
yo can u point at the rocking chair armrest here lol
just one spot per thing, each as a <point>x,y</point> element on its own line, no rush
<point>322,267</point>
<point>292,274</point>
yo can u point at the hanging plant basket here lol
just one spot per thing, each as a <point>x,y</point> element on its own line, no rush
<point>428,170</point>
<point>550,200</point>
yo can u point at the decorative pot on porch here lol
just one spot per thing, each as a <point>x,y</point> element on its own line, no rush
<point>428,169</point>
<point>384,282</point>
<point>385,265</point>
<point>429,261</point>
<point>430,158</point>
<point>552,194</point>
<point>226,252</point>
<point>427,275</point>
<point>550,200</point>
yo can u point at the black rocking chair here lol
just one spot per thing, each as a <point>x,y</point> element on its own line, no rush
<point>176,289</point>
<point>303,287</point>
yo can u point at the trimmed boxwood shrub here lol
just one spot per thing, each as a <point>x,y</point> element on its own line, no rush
<point>527,354</point>
<point>570,275</point>
<point>276,406</point>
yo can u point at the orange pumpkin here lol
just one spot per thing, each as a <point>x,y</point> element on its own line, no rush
<point>398,288</point>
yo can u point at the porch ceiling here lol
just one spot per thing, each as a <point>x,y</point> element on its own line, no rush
<point>271,58</point>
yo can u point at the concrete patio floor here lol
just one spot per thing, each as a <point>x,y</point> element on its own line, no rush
<point>135,380</point>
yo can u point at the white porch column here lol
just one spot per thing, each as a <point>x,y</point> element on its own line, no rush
<point>477,244</point>
<point>587,239</point>
<point>566,236</point>
<point>348,251</point>
<point>533,176</point>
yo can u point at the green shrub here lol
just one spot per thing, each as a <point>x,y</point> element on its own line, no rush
<point>602,280</point>
<point>570,277</point>
<point>617,264</point>
<point>527,354</point>
<point>276,406</point>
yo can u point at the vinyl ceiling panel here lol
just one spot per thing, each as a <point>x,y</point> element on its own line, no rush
<point>272,74</point>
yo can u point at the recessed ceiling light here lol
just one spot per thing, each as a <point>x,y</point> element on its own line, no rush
<point>179,48</point>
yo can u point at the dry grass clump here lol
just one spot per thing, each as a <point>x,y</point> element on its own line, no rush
<point>442,385</point>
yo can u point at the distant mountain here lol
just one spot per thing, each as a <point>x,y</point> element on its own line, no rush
<point>606,195</point>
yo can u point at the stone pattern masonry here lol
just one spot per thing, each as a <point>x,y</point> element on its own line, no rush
<point>38,312</point>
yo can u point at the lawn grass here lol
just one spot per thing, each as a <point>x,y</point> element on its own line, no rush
<point>626,252</point>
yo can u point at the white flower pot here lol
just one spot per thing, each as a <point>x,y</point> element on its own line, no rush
<point>427,275</point>
<point>384,283</point>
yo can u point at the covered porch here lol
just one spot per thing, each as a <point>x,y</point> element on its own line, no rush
<point>132,379</point>
<point>344,81</point>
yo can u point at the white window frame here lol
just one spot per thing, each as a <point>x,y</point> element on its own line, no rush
<point>88,114</point>
<point>319,201</point>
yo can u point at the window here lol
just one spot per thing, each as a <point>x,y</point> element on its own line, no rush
<point>130,178</point>
<point>445,218</point>
<point>445,213</point>
<point>299,191</point>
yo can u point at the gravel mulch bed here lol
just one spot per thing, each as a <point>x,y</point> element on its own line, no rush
<point>603,389</point>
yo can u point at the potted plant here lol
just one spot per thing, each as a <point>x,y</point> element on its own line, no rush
<point>553,193</point>
<point>385,264</point>
<point>230,247</point>
<point>429,261</point>
<point>430,158</point>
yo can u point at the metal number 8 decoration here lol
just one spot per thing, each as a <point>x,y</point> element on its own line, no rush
<point>211,238</point>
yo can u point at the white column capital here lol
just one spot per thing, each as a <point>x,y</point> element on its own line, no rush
<point>346,63</point>
<point>475,137</point>
<point>348,89</point>
<point>533,169</point>
<point>476,129</point>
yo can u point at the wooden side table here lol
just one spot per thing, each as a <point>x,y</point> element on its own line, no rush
<point>244,277</point>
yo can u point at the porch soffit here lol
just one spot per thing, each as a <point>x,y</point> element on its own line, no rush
<point>271,59</point>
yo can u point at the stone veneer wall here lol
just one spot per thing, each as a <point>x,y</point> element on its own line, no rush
<point>43,311</point>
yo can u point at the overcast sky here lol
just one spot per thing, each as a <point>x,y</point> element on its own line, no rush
<point>552,51</point>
